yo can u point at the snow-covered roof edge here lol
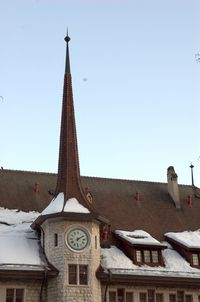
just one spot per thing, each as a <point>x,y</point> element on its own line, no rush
<point>189,239</point>
<point>138,237</point>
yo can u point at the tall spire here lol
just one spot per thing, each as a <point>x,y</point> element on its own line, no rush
<point>68,180</point>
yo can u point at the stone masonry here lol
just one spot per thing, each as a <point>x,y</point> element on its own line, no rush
<point>58,289</point>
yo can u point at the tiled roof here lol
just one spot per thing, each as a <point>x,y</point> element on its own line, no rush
<point>114,199</point>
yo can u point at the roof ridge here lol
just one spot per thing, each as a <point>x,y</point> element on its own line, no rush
<point>27,171</point>
<point>131,180</point>
<point>124,179</point>
<point>92,177</point>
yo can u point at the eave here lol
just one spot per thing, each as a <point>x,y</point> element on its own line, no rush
<point>69,216</point>
<point>143,280</point>
<point>141,245</point>
<point>185,247</point>
<point>16,274</point>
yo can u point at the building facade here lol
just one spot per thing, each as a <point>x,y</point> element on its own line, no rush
<point>65,237</point>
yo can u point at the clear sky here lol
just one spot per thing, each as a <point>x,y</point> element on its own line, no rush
<point>135,80</point>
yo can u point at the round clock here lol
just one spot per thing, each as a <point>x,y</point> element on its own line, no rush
<point>77,239</point>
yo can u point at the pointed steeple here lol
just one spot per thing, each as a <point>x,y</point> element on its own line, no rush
<point>69,181</point>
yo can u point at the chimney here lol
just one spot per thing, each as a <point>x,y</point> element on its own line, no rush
<point>173,189</point>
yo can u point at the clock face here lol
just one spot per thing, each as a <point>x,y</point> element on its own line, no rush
<point>77,239</point>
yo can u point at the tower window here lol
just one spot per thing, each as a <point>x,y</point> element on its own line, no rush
<point>55,239</point>
<point>95,242</point>
<point>78,274</point>
<point>72,273</point>
<point>83,274</point>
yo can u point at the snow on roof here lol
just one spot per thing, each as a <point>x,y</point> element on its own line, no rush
<point>190,239</point>
<point>114,260</point>
<point>138,237</point>
<point>72,206</point>
<point>55,206</point>
<point>19,243</point>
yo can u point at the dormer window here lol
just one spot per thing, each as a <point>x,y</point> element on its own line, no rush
<point>154,255</point>
<point>187,244</point>
<point>138,256</point>
<point>141,247</point>
<point>195,259</point>
<point>147,257</point>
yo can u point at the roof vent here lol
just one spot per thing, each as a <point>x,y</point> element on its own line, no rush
<point>137,236</point>
<point>88,195</point>
<point>137,196</point>
<point>190,200</point>
<point>37,188</point>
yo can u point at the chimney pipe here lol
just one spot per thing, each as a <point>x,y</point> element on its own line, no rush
<point>173,189</point>
<point>192,176</point>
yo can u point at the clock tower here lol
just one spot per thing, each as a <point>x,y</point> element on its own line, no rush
<point>70,224</point>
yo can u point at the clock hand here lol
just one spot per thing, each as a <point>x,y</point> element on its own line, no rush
<point>79,238</point>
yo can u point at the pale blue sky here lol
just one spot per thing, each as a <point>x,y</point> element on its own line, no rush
<point>138,111</point>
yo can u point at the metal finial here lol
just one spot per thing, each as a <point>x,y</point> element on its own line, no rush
<point>67,38</point>
<point>67,63</point>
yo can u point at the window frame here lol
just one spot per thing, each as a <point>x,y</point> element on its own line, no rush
<point>145,296</point>
<point>174,295</point>
<point>151,295</point>
<point>15,288</point>
<point>151,257</point>
<point>198,259</point>
<point>82,274</point>
<point>78,274</point>
<point>189,296</point>
<point>129,292</point>
<point>157,294</point>
<point>112,291</point>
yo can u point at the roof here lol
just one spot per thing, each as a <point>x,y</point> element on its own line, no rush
<point>117,262</point>
<point>20,245</point>
<point>138,237</point>
<point>117,268</point>
<point>115,199</point>
<point>188,239</point>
